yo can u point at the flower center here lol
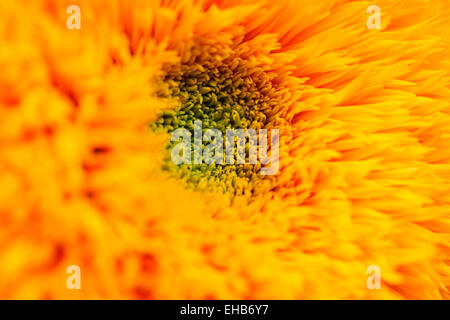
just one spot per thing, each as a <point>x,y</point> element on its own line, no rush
<point>223,92</point>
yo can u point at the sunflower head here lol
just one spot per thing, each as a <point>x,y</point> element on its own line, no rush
<point>363,116</point>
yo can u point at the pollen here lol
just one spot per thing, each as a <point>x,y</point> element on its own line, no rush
<point>219,88</point>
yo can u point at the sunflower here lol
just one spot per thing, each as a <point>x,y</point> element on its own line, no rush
<point>363,179</point>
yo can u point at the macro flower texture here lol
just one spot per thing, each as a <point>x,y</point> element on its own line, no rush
<point>362,179</point>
